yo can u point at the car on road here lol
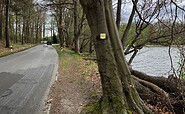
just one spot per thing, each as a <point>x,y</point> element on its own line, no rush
<point>49,43</point>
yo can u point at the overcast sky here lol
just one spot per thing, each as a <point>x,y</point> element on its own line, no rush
<point>127,8</point>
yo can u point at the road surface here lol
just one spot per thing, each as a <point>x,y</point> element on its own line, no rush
<point>25,78</point>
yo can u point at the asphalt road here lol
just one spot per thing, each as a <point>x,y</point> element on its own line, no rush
<point>25,78</point>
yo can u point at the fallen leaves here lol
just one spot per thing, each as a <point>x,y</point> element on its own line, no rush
<point>7,51</point>
<point>89,70</point>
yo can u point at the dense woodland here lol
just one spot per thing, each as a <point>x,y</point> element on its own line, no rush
<point>78,25</point>
<point>21,21</point>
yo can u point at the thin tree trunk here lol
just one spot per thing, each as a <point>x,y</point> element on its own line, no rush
<point>32,32</point>
<point>19,31</point>
<point>125,34</point>
<point>118,14</point>
<point>60,32</point>
<point>61,37</point>
<point>67,39</point>
<point>40,34</point>
<point>6,25</point>
<point>51,28</point>
<point>44,30</point>
<point>36,33</point>
<point>10,27</point>
<point>76,39</point>
<point>16,27</point>
<point>27,33</point>
<point>1,19</point>
<point>23,32</point>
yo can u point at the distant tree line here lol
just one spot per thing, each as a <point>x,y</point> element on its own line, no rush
<point>21,21</point>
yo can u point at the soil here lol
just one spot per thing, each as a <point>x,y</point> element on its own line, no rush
<point>74,87</point>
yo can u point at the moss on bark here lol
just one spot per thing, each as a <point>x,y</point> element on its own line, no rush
<point>119,93</point>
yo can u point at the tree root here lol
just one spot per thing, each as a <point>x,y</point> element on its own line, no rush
<point>166,92</point>
<point>152,86</point>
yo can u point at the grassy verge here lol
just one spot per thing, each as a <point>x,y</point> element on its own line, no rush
<point>78,76</point>
<point>60,53</point>
<point>67,51</point>
<point>16,48</point>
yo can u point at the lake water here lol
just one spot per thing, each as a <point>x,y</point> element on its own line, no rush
<point>155,60</point>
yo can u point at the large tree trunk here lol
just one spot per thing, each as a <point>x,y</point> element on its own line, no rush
<point>119,93</point>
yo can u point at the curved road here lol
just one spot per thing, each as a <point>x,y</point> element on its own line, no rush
<point>25,78</point>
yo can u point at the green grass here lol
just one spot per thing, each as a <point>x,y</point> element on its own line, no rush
<point>65,50</point>
<point>91,108</point>
<point>65,54</point>
<point>4,55</point>
<point>60,53</point>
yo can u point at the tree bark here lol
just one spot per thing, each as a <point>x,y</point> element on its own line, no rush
<point>76,39</point>
<point>16,27</point>
<point>118,14</point>
<point>60,31</point>
<point>23,31</point>
<point>44,30</point>
<point>125,34</point>
<point>90,46</point>
<point>119,93</point>
<point>1,19</point>
<point>6,25</point>
<point>61,37</point>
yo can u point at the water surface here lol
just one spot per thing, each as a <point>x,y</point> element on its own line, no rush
<point>155,60</point>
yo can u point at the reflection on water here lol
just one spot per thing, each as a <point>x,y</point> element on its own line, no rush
<point>155,60</point>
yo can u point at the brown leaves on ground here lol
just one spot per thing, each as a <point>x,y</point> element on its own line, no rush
<point>6,51</point>
<point>160,106</point>
<point>90,71</point>
<point>75,86</point>
<point>79,84</point>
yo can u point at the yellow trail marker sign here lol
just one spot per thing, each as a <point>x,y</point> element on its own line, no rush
<point>102,36</point>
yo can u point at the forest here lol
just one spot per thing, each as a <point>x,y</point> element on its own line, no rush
<point>106,32</point>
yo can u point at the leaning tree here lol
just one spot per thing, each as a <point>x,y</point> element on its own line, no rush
<point>119,93</point>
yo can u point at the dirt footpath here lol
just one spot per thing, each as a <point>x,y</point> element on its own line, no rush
<point>74,87</point>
